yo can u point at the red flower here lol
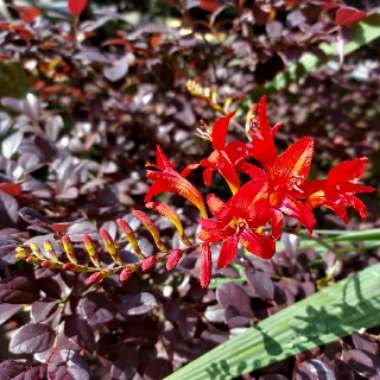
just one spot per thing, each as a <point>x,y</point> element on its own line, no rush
<point>225,158</point>
<point>238,221</point>
<point>337,191</point>
<point>167,179</point>
<point>285,176</point>
<point>262,147</point>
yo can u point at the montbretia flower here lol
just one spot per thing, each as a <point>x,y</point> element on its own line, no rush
<point>240,220</point>
<point>167,179</point>
<point>285,179</point>
<point>224,156</point>
<point>262,147</point>
<point>337,191</point>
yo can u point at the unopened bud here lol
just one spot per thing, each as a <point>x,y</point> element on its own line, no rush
<point>69,249</point>
<point>95,278</point>
<point>47,264</point>
<point>126,274</point>
<point>110,245</point>
<point>173,259</point>
<point>21,253</point>
<point>148,263</point>
<point>69,266</point>
<point>49,249</point>
<point>90,247</point>
<point>36,251</point>
<point>129,235</point>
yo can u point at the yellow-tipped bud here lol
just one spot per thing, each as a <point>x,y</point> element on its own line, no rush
<point>90,247</point>
<point>21,253</point>
<point>110,246</point>
<point>49,249</point>
<point>69,250</point>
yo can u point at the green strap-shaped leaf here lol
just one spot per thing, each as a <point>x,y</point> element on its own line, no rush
<point>330,314</point>
<point>362,33</point>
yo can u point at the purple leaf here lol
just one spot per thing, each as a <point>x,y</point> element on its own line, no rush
<point>7,310</point>
<point>261,283</point>
<point>365,343</point>
<point>8,209</point>
<point>137,304</point>
<point>79,332</point>
<point>66,365</point>
<point>233,296</point>
<point>18,290</point>
<point>32,338</point>
<point>17,370</point>
<point>96,309</point>
<point>11,144</point>
<point>43,310</point>
<point>363,363</point>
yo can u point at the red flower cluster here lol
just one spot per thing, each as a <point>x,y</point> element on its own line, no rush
<point>277,187</point>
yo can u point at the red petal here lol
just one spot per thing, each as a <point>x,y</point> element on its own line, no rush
<point>207,176</point>
<point>205,265</point>
<point>294,164</point>
<point>215,204</point>
<point>277,223</point>
<point>252,170</point>
<point>214,230</point>
<point>346,171</point>
<point>189,168</point>
<point>299,211</point>
<point>260,245</point>
<point>348,16</point>
<point>228,252</point>
<point>76,7</point>
<point>162,161</point>
<point>263,147</point>
<point>219,131</point>
<point>170,180</point>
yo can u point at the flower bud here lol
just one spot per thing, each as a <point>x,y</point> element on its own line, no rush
<point>126,274</point>
<point>173,259</point>
<point>148,263</point>
<point>130,236</point>
<point>205,265</point>
<point>95,278</point>
<point>69,266</point>
<point>69,249</point>
<point>49,249</point>
<point>21,253</point>
<point>110,245</point>
<point>90,247</point>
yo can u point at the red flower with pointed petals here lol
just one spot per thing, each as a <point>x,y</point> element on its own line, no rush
<point>225,157</point>
<point>262,148</point>
<point>337,191</point>
<point>247,210</point>
<point>167,179</point>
